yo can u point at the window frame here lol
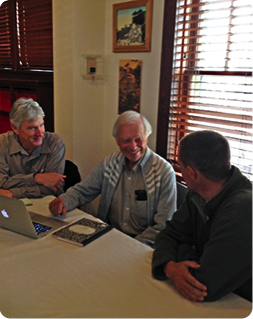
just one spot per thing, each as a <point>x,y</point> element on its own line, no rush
<point>166,81</point>
<point>40,81</point>
<point>165,77</point>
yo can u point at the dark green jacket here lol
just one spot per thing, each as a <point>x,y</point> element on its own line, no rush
<point>218,236</point>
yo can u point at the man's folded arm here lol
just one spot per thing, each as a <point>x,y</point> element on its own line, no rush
<point>169,240</point>
<point>226,263</point>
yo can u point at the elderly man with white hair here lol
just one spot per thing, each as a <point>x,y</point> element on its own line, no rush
<point>137,186</point>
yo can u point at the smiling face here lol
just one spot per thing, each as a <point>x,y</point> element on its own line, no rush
<point>30,134</point>
<point>132,141</point>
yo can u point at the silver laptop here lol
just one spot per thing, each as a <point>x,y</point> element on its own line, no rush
<point>14,216</point>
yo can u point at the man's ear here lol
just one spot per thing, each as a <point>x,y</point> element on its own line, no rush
<point>14,128</point>
<point>192,172</point>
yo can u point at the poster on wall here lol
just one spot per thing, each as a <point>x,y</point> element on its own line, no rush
<point>129,85</point>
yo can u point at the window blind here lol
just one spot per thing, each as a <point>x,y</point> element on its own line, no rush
<point>211,84</point>
<point>5,39</point>
<point>34,26</point>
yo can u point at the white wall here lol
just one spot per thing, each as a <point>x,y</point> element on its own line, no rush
<point>78,29</point>
<point>85,113</point>
<point>149,77</point>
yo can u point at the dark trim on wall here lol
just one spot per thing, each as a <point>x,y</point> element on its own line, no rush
<point>165,77</point>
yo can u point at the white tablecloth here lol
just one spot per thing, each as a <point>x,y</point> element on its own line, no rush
<point>108,278</point>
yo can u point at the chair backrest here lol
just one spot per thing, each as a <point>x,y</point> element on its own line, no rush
<point>181,193</point>
<point>72,174</point>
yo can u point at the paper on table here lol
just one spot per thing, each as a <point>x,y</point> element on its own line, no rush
<point>26,201</point>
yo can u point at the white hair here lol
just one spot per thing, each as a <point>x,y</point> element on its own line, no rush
<point>128,117</point>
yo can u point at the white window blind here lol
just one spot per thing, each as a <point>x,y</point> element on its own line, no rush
<point>212,75</point>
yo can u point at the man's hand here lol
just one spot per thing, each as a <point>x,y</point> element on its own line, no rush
<point>6,192</point>
<point>57,207</point>
<point>184,282</point>
<point>52,180</point>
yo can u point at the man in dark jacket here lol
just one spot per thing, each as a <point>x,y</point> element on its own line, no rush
<point>206,249</point>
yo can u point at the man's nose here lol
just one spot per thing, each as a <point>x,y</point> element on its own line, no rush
<point>40,132</point>
<point>133,144</point>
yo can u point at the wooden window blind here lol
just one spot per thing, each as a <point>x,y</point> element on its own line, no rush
<point>34,26</point>
<point>26,57</point>
<point>26,41</point>
<point>211,84</point>
<point>5,38</point>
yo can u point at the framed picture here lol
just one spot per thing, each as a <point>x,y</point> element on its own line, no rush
<point>132,24</point>
<point>129,85</point>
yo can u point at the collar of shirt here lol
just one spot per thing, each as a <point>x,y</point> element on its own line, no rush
<point>136,169</point>
<point>200,202</point>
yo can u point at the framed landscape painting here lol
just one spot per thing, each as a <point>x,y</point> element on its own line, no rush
<point>132,24</point>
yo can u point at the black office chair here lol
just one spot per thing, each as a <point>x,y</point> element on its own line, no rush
<point>72,174</point>
<point>181,193</point>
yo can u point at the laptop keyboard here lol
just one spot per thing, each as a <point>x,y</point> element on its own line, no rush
<point>40,229</point>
